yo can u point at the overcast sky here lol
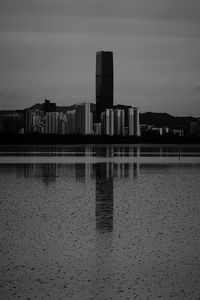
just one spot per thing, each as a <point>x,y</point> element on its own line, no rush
<point>48,49</point>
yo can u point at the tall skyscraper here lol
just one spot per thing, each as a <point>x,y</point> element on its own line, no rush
<point>104,82</point>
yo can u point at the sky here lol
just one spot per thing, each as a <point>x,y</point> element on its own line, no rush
<point>48,50</point>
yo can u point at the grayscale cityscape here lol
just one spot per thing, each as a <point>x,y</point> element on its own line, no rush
<point>101,118</point>
<point>100,150</point>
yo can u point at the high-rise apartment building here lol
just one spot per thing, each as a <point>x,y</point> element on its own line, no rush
<point>62,123</point>
<point>104,82</point>
<point>107,121</point>
<point>83,118</point>
<point>70,118</point>
<point>119,121</point>
<point>131,121</point>
<point>33,120</point>
<point>136,121</point>
<point>51,126</point>
<point>97,128</point>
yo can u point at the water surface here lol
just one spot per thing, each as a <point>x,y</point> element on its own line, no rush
<point>100,222</point>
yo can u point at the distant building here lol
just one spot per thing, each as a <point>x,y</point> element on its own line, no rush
<point>37,120</point>
<point>131,121</point>
<point>104,82</point>
<point>136,121</point>
<point>13,122</point>
<point>70,119</point>
<point>165,130</point>
<point>119,122</point>
<point>178,132</point>
<point>194,128</point>
<point>157,130</point>
<point>51,123</point>
<point>91,123</point>
<point>33,120</point>
<point>47,106</point>
<point>62,123</point>
<point>27,120</point>
<point>143,129</point>
<point>97,128</point>
<point>83,119</point>
<point>107,122</point>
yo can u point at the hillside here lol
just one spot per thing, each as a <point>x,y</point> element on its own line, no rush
<point>164,119</point>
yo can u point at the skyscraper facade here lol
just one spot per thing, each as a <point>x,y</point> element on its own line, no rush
<point>104,82</point>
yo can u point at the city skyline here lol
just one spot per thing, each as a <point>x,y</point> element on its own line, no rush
<point>48,51</point>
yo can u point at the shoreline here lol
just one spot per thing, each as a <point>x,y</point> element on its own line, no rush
<point>41,139</point>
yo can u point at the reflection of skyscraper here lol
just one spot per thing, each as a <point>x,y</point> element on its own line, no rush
<point>83,172</point>
<point>104,196</point>
<point>104,82</point>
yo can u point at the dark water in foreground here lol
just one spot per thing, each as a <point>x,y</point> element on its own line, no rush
<point>114,222</point>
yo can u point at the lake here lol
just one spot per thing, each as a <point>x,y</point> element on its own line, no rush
<point>100,222</point>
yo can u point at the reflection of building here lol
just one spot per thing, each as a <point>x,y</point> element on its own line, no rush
<point>49,173</point>
<point>125,170</point>
<point>104,82</point>
<point>80,172</point>
<point>83,172</point>
<point>104,197</point>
